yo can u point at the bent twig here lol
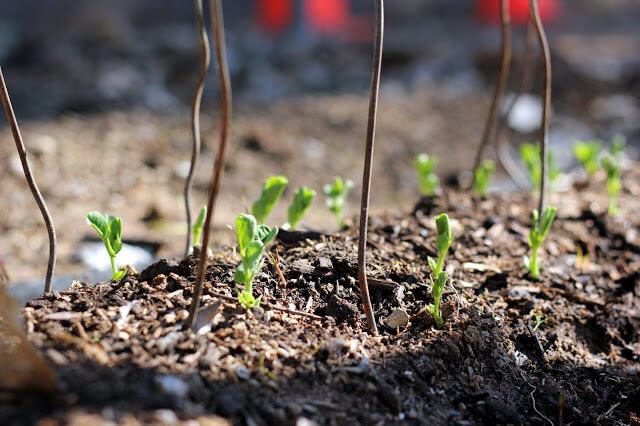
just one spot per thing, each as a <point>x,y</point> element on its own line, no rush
<point>502,143</point>
<point>195,115</point>
<point>214,186</point>
<point>490,126</point>
<point>368,159</point>
<point>546,97</point>
<point>26,167</point>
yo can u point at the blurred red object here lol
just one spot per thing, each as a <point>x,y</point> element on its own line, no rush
<point>327,16</point>
<point>320,16</point>
<point>488,11</point>
<point>274,15</point>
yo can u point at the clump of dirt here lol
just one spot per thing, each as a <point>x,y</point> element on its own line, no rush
<point>564,348</point>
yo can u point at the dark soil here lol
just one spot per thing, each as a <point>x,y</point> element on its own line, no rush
<point>122,355</point>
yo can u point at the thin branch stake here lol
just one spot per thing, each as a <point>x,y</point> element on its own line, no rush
<point>502,144</point>
<point>490,126</point>
<point>546,97</point>
<point>225,87</point>
<point>195,115</point>
<point>368,159</point>
<point>26,167</point>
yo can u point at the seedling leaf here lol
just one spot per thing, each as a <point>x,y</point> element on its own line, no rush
<point>271,192</point>
<point>98,222</point>
<point>302,199</point>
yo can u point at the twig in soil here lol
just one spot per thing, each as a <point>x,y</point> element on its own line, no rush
<point>546,96</point>
<point>214,186</point>
<point>195,115</point>
<point>490,126</point>
<point>275,260</point>
<point>26,167</point>
<point>368,160</point>
<point>502,143</point>
<point>539,347</point>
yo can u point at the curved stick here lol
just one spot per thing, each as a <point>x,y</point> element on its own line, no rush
<point>214,186</point>
<point>26,167</point>
<point>366,174</point>
<point>502,144</point>
<point>195,115</point>
<point>546,96</point>
<point>489,129</point>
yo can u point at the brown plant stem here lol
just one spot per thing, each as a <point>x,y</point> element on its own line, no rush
<point>546,98</point>
<point>502,143</point>
<point>368,160</point>
<point>195,115</point>
<point>225,88</point>
<point>26,167</point>
<point>503,75</point>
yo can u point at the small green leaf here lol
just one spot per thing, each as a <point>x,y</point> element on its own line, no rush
<point>432,263</point>
<point>99,222</point>
<point>424,166</point>
<point>115,234</point>
<point>438,286</point>
<point>483,175</point>
<point>119,275</point>
<point>196,229</point>
<point>270,236</point>
<point>443,228</point>
<point>547,219</point>
<point>246,229</point>
<point>301,201</point>
<point>587,154</point>
<point>271,192</point>
<point>337,196</point>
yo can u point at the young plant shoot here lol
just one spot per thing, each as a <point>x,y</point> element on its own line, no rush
<point>614,182</point>
<point>425,166</point>
<point>336,197</point>
<point>587,154</point>
<point>196,229</point>
<point>530,156</point>
<point>252,239</point>
<point>302,199</point>
<point>539,231</point>
<point>482,176</point>
<point>438,276</point>
<point>109,229</point>
<point>271,192</point>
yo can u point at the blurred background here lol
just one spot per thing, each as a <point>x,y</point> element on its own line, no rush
<point>102,92</point>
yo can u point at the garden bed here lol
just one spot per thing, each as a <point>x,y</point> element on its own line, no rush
<point>121,354</point>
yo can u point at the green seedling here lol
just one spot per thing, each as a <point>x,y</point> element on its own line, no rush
<point>438,276</point>
<point>302,199</point>
<point>196,229</point>
<point>252,239</point>
<point>482,176</point>
<point>109,229</point>
<point>614,182</point>
<point>271,192</point>
<point>530,156</point>
<point>540,319</point>
<point>336,196</point>
<point>538,232</point>
<point>587,154</point>
<point>425,166</point>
